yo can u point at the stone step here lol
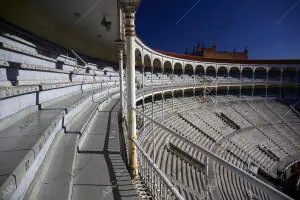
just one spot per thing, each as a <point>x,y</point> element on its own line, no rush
<point>103,173</point>
<point>24,138</point>
<point>59,175</point>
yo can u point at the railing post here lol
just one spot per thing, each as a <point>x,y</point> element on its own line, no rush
<point>267,74</point>
<point>280,88</point>
<point>143,74</point>
<point>194,87</point>
<point>206,178</point>
<point>107,87</point>
<point>253,77</point>
<point>241,72</point>
<point>227,82</point>
<point>194,77</point>
<point>296,86</point>
<point>129,8</point>
<point>183,88</point>
<point>163,99</point>
<point>152,112</point>
<point>216,87</point>
<point>162,76</point>
<point>172,99</point>
<point>182,100</point>
<point>205,76</point>
<point>162,92</point>
<point>157,178</point>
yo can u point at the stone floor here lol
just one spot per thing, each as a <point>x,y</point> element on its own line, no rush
<point>102,172</point>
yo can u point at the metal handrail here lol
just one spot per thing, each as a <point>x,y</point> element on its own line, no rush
<point>176,85</point>
<point>159,172</point>
<point>293,108</point>
<point>218,159</point>
<point>211,84</point>
<point>78,56</point>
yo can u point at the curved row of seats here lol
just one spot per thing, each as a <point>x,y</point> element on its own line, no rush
<point>232,186</point>
<point>259,123</point>
<point>60,169</point>
<point>159,79</point>
<point>188,179</point>
<point>163,160</point>
<point>260,117</point>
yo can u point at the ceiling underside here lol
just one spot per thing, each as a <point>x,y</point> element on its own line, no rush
<point>86,26</point>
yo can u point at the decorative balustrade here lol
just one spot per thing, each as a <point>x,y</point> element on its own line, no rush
<point>155,179</point>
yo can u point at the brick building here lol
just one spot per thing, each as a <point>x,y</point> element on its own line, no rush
<point>211,52</point>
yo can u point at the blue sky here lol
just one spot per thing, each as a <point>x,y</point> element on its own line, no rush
<point>261,25</point>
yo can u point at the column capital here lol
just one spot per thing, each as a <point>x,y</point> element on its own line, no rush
<point>130,6</point>
<point>119,44</point>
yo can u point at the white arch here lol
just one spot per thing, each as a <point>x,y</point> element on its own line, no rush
<point>189,63</point>
<point>174,63</point>
<point>167,60</point>
<point>140,48</point>
<point>235,66</point>
<point>246,66</point>
<point>219,66</point>
<point>154,57</point>
<point>210,65</point>
<point>259,66</point>
<point>163,58</point>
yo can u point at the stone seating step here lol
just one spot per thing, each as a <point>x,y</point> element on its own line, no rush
<point>58,179</point>
<point>103,174</point>
<point>22,140</point>
<point>58,182</point>
<point>83,119</point>
<point>55,178</point>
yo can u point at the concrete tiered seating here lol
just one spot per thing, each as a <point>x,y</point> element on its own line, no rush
<point>231,113</point>
<point>187,178</point>
<point>42,100</point>
<point>230,185</point>
<point>214,125</point>
<point>38,128</point>
<point>166,79</point>
<point>233,187</point>
<point>19,57</point>
<point>240,147</point>
<point>71,173</point>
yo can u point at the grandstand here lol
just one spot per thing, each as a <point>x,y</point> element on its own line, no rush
<point>77,126</point>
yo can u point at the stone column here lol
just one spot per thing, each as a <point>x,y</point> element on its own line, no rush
<point>120,44</point>
<point>129,7</point>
